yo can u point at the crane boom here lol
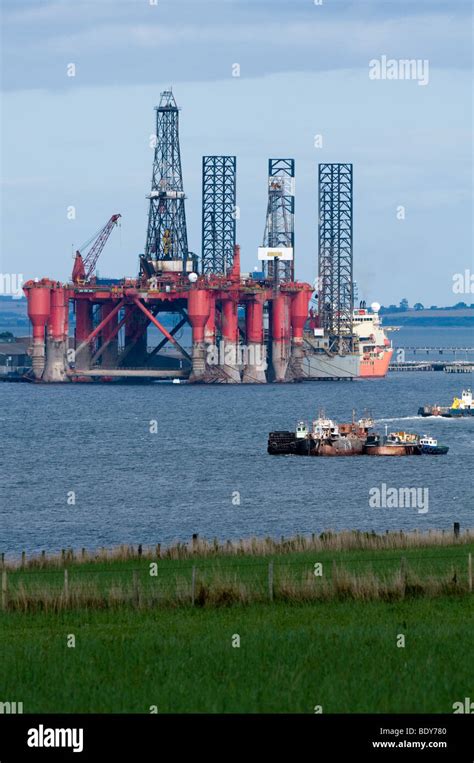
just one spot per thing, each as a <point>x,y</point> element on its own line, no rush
<point>84,266</point>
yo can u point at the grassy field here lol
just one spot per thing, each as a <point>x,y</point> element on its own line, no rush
<point>299,570</point>
<point>340,655</point>
<point>306,641</point>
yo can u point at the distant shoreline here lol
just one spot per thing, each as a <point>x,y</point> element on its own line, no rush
<point>14,318</point>
<point>439,317</point>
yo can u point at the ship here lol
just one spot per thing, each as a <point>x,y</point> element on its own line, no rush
<point>324,438</point>
<point>370,354</point>
<point>327,438</point>
<point>461,406</point>
<point>374,348</point>
<point>393,444</point>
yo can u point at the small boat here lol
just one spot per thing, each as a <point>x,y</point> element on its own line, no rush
<point>461,406</point>
<point>430,446</point>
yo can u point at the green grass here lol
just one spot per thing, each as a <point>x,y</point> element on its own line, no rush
<point>339,651</point>
<point>341,655</point>
<point>369,573</point>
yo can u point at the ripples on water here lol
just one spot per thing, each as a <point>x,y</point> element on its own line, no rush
<point>135,487</point>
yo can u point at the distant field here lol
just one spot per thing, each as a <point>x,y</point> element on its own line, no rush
<point>460,318</point>
<point>340,655</point>
<point>148,645</point>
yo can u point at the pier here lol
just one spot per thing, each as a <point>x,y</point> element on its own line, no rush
<point>439,350</point>
<point>451,367</point>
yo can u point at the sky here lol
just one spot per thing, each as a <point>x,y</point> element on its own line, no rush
<point>305,71</point>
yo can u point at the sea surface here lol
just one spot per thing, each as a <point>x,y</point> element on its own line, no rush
<point>82,466</point>
<point>434,337</point>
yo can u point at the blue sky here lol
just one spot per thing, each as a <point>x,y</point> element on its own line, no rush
<point>304,71</point>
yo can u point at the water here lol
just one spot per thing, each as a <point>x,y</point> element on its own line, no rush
<point>434,336</point>
<point>132,486</point>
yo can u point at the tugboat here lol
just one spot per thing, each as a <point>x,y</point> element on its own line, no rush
<point>430,445</point>
<point>392,444</point>
<point>461,406</point>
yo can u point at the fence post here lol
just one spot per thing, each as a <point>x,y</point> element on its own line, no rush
<point>23,558</point>
<point>4,589</point>
<point>136,590</point>
<point>193,585</point>
<point>66,585</point>
<point>469,571</point>
<point>403,570</point>
<point>270,580</point>
<point>456,529</point>
<point>3,560</point>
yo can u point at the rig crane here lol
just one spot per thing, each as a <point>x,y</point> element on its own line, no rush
<point>84,264</point>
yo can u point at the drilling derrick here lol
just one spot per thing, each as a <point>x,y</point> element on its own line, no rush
<point>167,241</point>
<point>336,297</point>
<point>218,213</point>
<point>279,227</point>
<point>245,328</point>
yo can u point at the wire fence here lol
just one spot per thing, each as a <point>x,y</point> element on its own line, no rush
<point>152,583</point>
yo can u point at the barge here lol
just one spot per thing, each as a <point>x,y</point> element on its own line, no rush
<point>393,444</point>
<point>328,438</point>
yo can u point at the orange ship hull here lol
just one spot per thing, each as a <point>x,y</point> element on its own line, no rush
<point>377,366</point>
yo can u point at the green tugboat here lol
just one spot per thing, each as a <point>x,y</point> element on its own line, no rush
<point>429,445</point>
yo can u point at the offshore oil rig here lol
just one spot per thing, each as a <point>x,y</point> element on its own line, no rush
<point>237,320</point>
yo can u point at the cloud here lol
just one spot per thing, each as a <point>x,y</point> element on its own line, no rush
<point>304,70</point>
<point>117,41</point>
